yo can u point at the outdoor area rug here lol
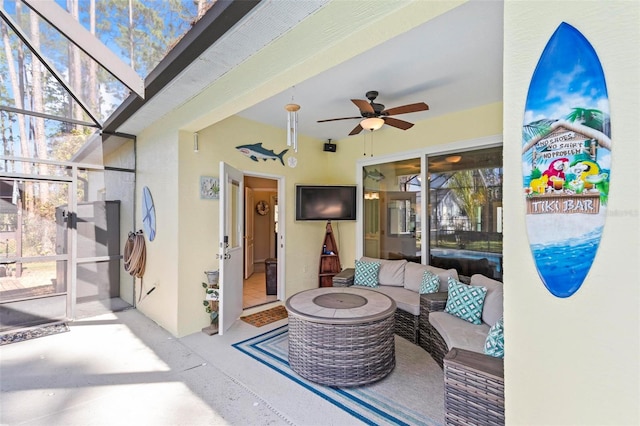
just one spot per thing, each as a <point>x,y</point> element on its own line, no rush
<point>413,394</point>
<point>266,317</point>
<point>33,333</point>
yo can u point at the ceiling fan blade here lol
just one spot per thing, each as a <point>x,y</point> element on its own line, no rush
<point>336,119</point>
<point>363,105</point>
<point>405,109</point>
<point>356,130</point>
<point>400,124</point>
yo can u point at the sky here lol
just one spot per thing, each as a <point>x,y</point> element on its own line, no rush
<point>568,75</point>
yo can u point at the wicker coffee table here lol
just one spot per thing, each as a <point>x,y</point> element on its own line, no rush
<point>341,336</point>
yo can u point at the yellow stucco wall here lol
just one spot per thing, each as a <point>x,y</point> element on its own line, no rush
<point>198,219</point>
<point>176,262</point>
<point>157,168</point>
<point>575,361</point>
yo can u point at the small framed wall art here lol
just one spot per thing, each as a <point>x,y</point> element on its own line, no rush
<point>209,188</point>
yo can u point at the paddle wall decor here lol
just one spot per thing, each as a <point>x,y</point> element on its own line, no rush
<point>566,160</point>
<point>148,214</point>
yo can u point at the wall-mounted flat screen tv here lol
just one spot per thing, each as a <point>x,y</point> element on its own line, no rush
<point>325,202</point>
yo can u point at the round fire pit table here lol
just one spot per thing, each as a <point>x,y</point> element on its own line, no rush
<point>341,336</point>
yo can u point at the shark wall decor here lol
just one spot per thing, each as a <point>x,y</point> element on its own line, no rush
<point>257,152</point>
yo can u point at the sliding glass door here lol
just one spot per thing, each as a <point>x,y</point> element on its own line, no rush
<point>392,203</point>
<point>462,201</point>
<point>465,211</point>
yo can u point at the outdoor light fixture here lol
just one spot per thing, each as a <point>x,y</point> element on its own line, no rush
<point>292,125</point>
<point>195,142</point>
<point>453,159</point>
<point>371,195</point>
<point>372,124</point>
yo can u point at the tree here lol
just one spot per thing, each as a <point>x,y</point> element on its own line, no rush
<point>75,65</point>
<point>470,192</point>
<point>38,133</point>
<point>94,103</point>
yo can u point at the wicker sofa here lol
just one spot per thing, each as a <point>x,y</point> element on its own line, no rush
<point>401,281</point>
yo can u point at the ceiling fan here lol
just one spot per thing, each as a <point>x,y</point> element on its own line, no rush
<point>372,110</point>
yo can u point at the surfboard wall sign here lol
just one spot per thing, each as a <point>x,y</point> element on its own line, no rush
<point>566,160</point>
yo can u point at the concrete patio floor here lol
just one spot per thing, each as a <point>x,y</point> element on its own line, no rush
<point>121,368</point>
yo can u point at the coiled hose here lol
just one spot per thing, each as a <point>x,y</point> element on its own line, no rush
<point>135,254</point>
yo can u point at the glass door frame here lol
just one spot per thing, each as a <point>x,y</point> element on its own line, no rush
<point>423,153</point>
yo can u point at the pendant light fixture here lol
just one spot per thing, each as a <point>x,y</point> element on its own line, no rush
<point>292,125</point>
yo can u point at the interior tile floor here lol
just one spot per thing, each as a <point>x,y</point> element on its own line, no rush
<point>255,289</point>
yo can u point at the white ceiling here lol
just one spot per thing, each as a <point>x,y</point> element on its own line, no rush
<point>453,62</point>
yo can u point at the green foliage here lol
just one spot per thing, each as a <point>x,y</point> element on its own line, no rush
<point>469,190</point>
<point>536,173</point>
<point>536,128</point>
<point>593,118</point>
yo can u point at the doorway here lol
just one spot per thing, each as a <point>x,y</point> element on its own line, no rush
<point>261,236</point>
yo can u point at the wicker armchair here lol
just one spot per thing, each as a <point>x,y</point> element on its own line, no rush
<point>474,389</point>
<point>474,382</point>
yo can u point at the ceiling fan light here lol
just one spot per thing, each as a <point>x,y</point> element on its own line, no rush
<point>453,158</point>
<point>373,123</point>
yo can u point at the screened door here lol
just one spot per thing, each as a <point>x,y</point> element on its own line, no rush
<point>34,254</point>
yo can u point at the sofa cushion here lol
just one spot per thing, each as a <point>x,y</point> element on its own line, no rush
<point>407,300</point>
<point>430,283</point>
<point>366,273</point>
<point>494,345</point>
<point>391,271</point>
<point>465,301</point>
<point>458,333</point>
<point>493,302</point>
<point>413,273</point>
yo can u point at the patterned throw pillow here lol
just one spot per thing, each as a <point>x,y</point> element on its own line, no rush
<point>465,301</point>
<point>430,283</point>
<point>494,345</point>
<point>366,273</point>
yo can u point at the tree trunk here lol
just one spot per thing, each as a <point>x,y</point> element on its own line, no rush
<point>39,136</point>
<point>201,8</point>
<point>75,67</point>
<point>17,97</point>
<point>131,55</point>
<point>94,103</point>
